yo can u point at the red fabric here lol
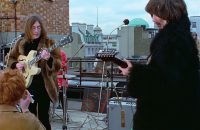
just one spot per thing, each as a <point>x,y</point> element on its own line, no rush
<point>63,69</point>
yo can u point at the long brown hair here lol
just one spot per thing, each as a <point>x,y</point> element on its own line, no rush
<point>28,27</point>
<point>169,10</point>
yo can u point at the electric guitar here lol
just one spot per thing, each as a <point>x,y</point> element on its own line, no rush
<point>109,55</point>
<point>30,61</point>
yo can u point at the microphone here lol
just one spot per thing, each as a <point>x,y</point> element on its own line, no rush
<point>17,38</point>
<point>14,41</point>
<point>22,35</point>
<point>125,22</point>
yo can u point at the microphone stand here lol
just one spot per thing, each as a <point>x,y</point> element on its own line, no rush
<point>76,53</point>
<point>109,76</point>
<point>64,127</point>
<point>110,35</point>
<point>125,22</point>
<point>2,56</point>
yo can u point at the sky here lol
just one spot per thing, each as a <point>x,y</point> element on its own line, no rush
<point>111,13</point>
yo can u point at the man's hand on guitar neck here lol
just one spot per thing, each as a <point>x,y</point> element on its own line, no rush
<point>126,71</point>
<point>45,54</point>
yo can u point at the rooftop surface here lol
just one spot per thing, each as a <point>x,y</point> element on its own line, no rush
<point>77,119</point>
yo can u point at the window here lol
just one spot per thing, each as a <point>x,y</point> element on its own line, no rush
<point>89,51</point>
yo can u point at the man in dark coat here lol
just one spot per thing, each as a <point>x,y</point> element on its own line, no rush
<point>167,88</point>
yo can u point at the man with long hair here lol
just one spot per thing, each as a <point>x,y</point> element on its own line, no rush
<point>42,87</point>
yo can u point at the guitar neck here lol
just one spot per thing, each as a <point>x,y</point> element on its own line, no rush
<point>62,42</point>
<point>109,55</point>
<point>119,62</point>
<point>38,57</point>
<point>52,47</point>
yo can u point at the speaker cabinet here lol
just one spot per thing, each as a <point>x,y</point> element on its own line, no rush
<point>121,113</point>
<point>91,99</point>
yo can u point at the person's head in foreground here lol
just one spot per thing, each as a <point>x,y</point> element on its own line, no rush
<point>12,87</point>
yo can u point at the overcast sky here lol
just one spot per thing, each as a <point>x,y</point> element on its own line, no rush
<point>111,13</point>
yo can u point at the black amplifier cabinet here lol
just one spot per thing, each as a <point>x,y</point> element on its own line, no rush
<point>120,113</point>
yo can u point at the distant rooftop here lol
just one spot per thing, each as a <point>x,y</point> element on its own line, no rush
<point>97,28</point>
<point>138,22</point>
<point>194,16</point>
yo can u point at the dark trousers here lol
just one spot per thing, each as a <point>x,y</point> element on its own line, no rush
<point>41,105</point>
<point>61,96</point>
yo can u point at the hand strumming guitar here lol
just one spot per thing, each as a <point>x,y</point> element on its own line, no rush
<point>126,71</point>
<point>20,66</point>
<point>44,54</point>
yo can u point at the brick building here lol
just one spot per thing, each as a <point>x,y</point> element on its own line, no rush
<point>55,14</point>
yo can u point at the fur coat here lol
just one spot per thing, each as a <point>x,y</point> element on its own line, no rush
<point>48,72</point>
<point>167,89</point>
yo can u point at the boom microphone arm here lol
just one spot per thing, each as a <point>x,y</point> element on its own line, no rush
<point>125,22</point>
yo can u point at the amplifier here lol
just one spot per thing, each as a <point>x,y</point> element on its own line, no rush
<point>121,113</point>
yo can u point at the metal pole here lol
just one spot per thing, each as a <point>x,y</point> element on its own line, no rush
<point>3,55</point>
<point>15,6</point>
<point>15,15</point>
<point>64,127</point>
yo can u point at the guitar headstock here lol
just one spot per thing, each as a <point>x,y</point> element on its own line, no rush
<point>106,55</point>
<point>109,55</point>
<point>65,40</point>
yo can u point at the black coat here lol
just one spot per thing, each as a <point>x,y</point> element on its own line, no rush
<point>167,89</point>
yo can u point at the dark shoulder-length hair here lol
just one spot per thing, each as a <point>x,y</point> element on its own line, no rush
<point>170,10</point>
<point>12,86</point>
<point>28,27</point>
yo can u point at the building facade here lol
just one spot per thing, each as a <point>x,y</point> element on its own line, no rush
<point>195,24</point>
<point>111,42</point>
<point>13,14</point>
<point>134,39</point>
<point>91,38</point>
